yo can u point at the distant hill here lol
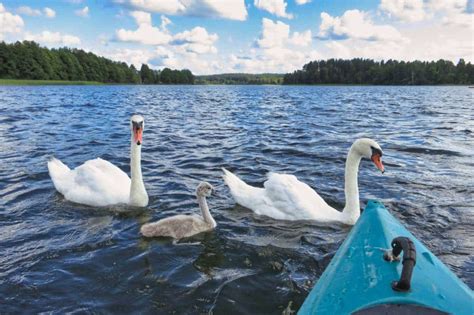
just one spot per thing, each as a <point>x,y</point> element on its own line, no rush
<point>240,78</point>
<point>29,61</point>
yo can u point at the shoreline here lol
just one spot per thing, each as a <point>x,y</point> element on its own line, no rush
<point>28,82</point>
<point>17,82</point>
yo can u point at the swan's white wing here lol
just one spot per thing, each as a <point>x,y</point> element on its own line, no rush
<point>295,200</point>
<point>102,175</point>
<point>95,183</point>
<point>253,198</point>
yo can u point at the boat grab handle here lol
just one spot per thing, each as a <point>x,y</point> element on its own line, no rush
<point>404,244</point>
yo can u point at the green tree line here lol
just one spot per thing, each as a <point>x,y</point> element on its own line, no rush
<point>367,71</point>
<point>29,61</point>
<point>165,76</point>
<point>240,78</point>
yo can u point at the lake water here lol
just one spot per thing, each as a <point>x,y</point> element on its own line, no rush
<point>57,256</point>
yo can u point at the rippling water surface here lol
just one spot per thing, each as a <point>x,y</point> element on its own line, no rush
<point>63,257</point>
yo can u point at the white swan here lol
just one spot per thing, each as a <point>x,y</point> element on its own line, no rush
<point>284,197</point>
<point>99,182</point>
<point>181,226</point>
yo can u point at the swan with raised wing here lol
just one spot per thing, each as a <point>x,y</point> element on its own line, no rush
<point>284,197</point>
<point>100,183</point>
<point>181,226</point>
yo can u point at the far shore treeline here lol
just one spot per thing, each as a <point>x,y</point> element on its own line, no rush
<point>391,72</point>
<point>27,60</point>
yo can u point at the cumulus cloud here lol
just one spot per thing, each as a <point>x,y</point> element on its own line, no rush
<point>406,10</point>
<point>182,50</point>
<point>197,40</point>
<point>276,50</point>
<point>84,12</point>
<point>453,12</point>
<point>146,33</point>
<point>444,37</point>
<point>274,34</point>
<point>301,39</point>
<point>53,38</point>
<point>141,17</point>
<point>25,10</point>
<point>276,7</point>
<point>450,11</point>
<point>357,25</point>
<point>277,34</point>
<point>49,13</point>
<point>229,9</point>
<point>137,57</point>
<point>9,23</point>
<point>301,2</point>
<point>449,44</point>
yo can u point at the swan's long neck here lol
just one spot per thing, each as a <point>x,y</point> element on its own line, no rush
<point>138,195</point>
<point>205,211</point>
<point>351,211</point>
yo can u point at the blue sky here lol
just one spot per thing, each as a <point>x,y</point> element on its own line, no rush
<point>218,36</point>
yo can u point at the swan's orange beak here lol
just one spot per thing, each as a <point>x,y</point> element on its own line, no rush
<point>137,135</point>
<point>377,159</point>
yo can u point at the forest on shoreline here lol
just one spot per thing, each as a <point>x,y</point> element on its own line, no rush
<point>240,78</point>
<point>390,72</point>
<point>28,63</point>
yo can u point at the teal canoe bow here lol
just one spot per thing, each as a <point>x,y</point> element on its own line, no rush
<point>359,281</point>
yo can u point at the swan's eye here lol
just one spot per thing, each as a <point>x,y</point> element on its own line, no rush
<point>376,151</point>
<point>137,125</point>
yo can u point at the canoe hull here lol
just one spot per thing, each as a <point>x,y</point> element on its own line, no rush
<point>359,278</point>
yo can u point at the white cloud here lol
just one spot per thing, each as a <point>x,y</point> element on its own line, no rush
<point>301,39</point>
<point>277,50</point>
<point>191,61</point>
<point>405,10</point>
<point>131,56</point>
<point>357,25</point>
<point>301,2</point>
<point>449,44</point>
<point>164,22</point>
<point>273,34</point>
<point>197,40</point>
<point>443,37</point>
<point>25,10</point>
<point>49,13</point>
<point>229,9</point>
<point>450,11</point>
<point>9,23</point>
<point>276,7</point>
<point>455,12</point>
<point>53,38</point>
<point>84,12</point>
<point>161,57</point>
<point>277,34</point>
<point>146,33</point>
<point>141,17</point>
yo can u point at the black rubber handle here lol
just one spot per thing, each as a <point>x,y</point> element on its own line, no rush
<point>404,244</point>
